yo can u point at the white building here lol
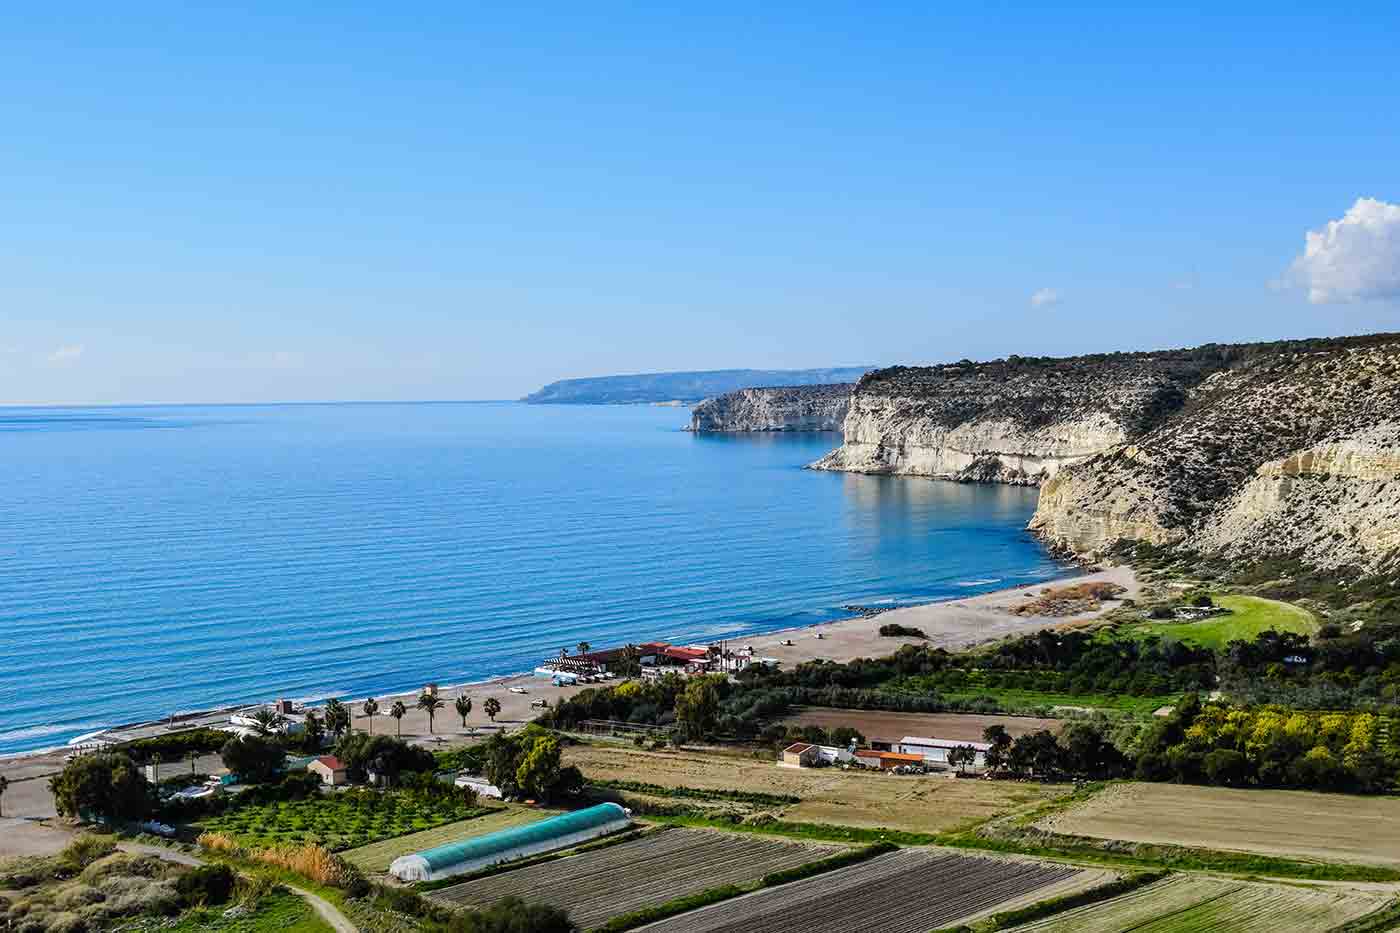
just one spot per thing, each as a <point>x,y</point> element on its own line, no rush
<point>935,751</point>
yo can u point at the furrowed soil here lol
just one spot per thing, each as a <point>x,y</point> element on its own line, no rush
<point>915,803</point>
<point>1196,904</point>
<point>891,727</point>
<point>1303,824</point>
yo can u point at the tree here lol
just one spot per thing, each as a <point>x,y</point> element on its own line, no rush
<point>4,786</point>
<point>584,647</point>
<point>156,760</point>
<point>1226,766</point>
<point>463,705</point>
<point>268,721</point>
<point>1000,741</point>
<point>429,703</point>
<point>492,706</point>
<point>337,718</point>
<point>539,768</point>
<point>105,786</point>
<point>962,756</point>
<point>383,756</point>
<point>697,707</point>
<point>252,758</point>
<point>512,915</point>
<point>398,711</point>
<point>370,709</point>
<point>313,731</point>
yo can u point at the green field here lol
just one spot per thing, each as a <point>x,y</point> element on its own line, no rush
<point>1013,700</point>
<point>337,821</point>
<point>1249,615</point>
<point>377,856</point>
<point>278,912</point>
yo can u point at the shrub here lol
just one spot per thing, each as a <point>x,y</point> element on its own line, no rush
<point>206,885</point>
<point>893,630</point>
<point>219,842</point>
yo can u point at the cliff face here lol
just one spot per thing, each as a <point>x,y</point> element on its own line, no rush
<point>1011,421</point>
<point>1291,448</point>
<point>786,408</point>
<point>1295,452</point>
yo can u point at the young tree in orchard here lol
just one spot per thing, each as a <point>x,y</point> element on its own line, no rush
<point>370,709</point>
<point>398,711</point>
<point>492,706</point>
<point>463,705</point>
<point>430,704</point>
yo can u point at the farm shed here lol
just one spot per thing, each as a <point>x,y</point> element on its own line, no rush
<point>935,751</point>
<point>557,832</point>
<point>799,755</point>
<point>886,761</point>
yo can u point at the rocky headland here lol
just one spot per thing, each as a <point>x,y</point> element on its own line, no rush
<point>1247,450</point>
<point>784,408</point>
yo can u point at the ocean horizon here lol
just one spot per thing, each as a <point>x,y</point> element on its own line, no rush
<point>158,559</point>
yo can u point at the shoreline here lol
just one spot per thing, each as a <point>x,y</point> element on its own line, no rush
<point>955,622</point>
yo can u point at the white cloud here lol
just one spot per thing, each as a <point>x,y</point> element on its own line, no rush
<point>1356,258</point>
<point>69,354</point>
<point>1044,298</point>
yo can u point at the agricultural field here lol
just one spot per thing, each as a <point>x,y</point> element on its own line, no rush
<point>959,727</point>
<point>1249,615</point>
<point>278,912</point>
<point>908,891</point>
<point>376,856</point>
<point>829,795</point>
<point>1192,903</point>
<point>337,821</point>
<point>596,886</point>
<point>1296,823</point>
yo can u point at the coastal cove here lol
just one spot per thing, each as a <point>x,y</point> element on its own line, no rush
<point>164,559</point>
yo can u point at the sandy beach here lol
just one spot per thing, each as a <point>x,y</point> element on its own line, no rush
<point>952,624</point>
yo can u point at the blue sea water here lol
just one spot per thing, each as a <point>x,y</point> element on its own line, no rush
<point>161,559</point>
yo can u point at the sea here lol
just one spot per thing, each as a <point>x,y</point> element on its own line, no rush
<point>167,559</point>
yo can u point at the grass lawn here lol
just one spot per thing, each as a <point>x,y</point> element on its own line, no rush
<point>278,912</point>
<point>1013,699</point>
<point>1249,615</point>
<point>377,856</point>
<point>336,821</point>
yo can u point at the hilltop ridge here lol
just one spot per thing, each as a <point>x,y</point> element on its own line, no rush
<point>691,387</point>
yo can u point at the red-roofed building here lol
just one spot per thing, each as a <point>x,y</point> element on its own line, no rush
<point>331,770</point>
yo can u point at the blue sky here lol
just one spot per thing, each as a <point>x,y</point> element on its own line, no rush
<point>462,201</point>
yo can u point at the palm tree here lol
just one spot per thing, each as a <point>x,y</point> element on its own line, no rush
<point>268,721</point>
<point>430,704</point>
<point>492,707</point>
<point>4,786</point>
<point>370,709</point>
<point>337,717</point>
<point>464,708</point>
<point>397,711</point>
<point>584,647</point>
